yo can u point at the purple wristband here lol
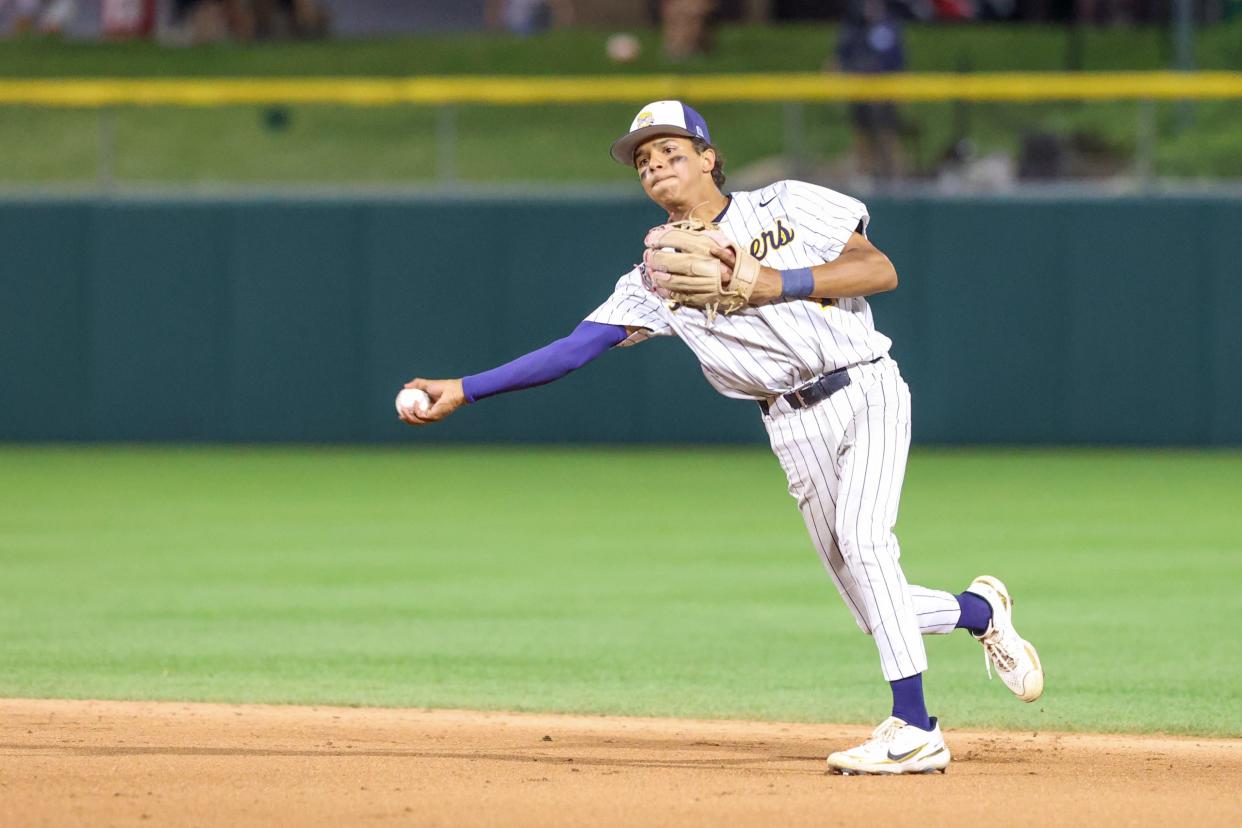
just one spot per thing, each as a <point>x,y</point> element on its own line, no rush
<point>797,283</point>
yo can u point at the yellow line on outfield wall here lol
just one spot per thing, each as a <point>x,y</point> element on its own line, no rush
<point>1008,86</point>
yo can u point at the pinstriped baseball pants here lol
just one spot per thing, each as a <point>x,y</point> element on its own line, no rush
<point>845,460</point>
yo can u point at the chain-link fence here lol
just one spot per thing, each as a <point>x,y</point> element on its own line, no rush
<point>954,133</point>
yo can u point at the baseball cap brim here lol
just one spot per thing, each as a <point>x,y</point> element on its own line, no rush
<point>623,148</point>
<point>655,119</point>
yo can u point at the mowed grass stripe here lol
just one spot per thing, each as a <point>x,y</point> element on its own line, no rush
<point>654,581</point>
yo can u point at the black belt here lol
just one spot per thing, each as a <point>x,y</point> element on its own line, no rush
<point>818,390</point>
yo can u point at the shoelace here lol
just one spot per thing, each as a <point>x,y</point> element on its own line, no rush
<point>886,731</point>
<point>993,649</point>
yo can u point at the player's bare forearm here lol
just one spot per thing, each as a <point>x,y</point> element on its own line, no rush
<point>853,273</point>
<point>860,270</point>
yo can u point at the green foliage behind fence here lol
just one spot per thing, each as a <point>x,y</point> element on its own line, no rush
<point>1017,321</point>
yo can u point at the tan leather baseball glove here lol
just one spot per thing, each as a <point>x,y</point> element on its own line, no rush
<point>679,266</point>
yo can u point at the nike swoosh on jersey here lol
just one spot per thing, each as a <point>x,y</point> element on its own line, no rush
<point>766,203</point>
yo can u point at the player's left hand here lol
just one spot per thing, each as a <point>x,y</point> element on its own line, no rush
<point>767,286</point>
<point>683,263</point>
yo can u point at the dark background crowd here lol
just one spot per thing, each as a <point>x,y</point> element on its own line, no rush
<point>199,20</point>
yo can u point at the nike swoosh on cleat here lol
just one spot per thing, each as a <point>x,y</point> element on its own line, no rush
<point>903,757</point>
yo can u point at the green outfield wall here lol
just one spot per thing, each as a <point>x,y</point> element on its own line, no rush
<point>1041,321</point>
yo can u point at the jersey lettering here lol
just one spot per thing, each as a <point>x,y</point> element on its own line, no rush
<point>771,240</point>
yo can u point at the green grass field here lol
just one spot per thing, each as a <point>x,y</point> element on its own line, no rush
<point>513,144</point>
<point>554,579</point>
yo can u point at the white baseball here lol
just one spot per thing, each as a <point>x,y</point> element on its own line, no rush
<point>413,401</point>
<point>623,48</point>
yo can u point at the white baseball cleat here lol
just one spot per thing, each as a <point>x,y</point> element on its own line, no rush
<point>895,747</point>
<point>1014,658</point>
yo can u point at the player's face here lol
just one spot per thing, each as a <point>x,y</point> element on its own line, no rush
<point>670,170</point>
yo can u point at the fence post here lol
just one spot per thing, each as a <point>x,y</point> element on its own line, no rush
<point>105,169</point>
<point>1145,144</point>
<point>446,144</point>
<point>1183,13</point>
<point>794,125</point>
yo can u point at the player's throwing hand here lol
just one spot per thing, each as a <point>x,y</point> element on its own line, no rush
<point>446,397</point>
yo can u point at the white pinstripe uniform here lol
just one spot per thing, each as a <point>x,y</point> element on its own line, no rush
<point>845,457</point>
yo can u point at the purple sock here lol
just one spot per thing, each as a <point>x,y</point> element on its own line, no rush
<point>908,704</point>
<point>976,613</point>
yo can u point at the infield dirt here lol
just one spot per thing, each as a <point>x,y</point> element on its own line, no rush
<point>122,763</point>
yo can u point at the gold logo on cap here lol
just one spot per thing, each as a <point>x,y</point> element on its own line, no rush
<point>645,119</point>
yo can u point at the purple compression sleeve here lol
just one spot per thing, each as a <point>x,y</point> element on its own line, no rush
<point>553,361</point>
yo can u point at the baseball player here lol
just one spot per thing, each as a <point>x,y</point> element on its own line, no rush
<point>768,288</point>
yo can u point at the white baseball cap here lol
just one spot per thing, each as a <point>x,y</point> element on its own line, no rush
<point>659,118</point>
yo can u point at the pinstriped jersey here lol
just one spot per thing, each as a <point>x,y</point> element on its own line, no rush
<point>760,351</point>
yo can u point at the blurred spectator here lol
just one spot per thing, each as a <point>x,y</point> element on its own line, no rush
<point>203,21</point>
<point>528,17</point>
<point>288,18</point>
<point>1102,12</point>
<point>688,27</point>
<point>127,18</point>
<point>43,16</point>
<point>954,9</point>
<point>870,42</point>
<point>196,22</point>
